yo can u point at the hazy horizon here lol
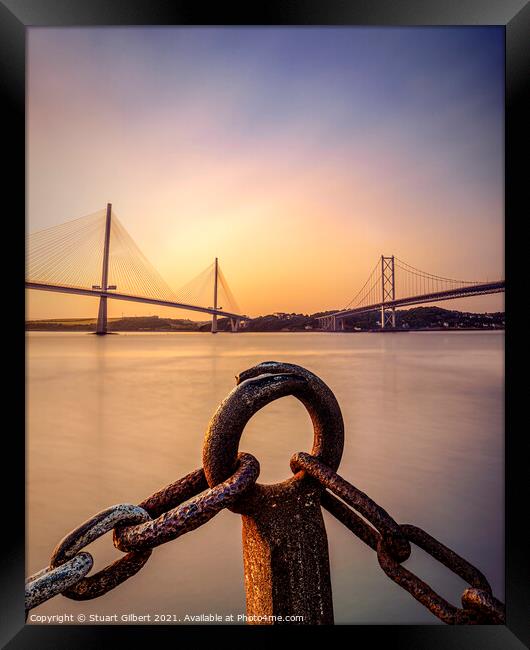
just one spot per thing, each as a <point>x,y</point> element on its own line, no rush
<point>296,155</point>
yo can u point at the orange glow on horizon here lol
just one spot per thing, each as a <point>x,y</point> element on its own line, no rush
<point>297,203</point>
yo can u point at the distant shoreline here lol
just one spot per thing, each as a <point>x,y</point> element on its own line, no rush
<point>416,319</point>
<point>315,331</point>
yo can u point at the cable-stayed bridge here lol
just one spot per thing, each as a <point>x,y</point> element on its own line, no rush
<point>394,283</point>
<point>95,256</point>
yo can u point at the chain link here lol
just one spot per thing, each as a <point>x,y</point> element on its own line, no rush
<point>485,603</point>
<point>190,515</point>
<point>390,530</point>
<point>49,582</point>
<point>117,572</point>
<point>479,604</point>
<point>135,529</point>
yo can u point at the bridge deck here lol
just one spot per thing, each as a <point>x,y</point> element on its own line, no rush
<point>96,293</point>
<point>462,292</point>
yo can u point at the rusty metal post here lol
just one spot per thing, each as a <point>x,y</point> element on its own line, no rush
<point>285,557</point>
<point>285,549</point>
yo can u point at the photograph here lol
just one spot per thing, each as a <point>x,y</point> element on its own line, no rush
<point>265,355</point>
<point>327,202</point>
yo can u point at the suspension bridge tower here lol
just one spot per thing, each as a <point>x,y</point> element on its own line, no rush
<point>101,328</point>
<point>388,292</point>
<point>215,277</point>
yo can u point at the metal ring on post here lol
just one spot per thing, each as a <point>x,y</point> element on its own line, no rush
<point>285,547</point>
<point>257,387</point>
<point>117,572</point>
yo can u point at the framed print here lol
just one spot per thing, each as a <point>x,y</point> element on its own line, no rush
<point>318,199</point>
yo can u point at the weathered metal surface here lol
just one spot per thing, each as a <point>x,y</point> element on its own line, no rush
<point>176,493</point>
<point>285,549</point>
<point>446,556</point>
<point>480,606</point>
<point>485,603</point>
<point>350,519</point>
<point>68,576</point>
<point>422,592</point>
<point>191,514</point>
<point>256,388</point>
<point>47,583</point>
<point>112,575</point>
<point>109,577</point>
<point>285,556</point>
<point>395,541</point>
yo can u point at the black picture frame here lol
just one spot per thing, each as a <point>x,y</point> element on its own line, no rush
<point>15,17</point>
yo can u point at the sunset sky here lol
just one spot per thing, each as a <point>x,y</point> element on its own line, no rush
<point>296,155</point>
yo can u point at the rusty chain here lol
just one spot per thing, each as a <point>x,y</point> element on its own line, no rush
<point>228,479</point>
<point>179,508</point>
<point>391,541</point>
<point>112,575</point>
<point>47,583</point>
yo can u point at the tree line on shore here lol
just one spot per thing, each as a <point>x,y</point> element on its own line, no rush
<point>411,319</point>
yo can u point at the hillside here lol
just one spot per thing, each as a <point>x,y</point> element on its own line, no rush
<point>406,319</point>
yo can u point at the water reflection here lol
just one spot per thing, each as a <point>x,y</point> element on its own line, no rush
<point>113,419</point>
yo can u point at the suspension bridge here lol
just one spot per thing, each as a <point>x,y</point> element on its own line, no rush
<point>95,256</point>
<point>394,283</point>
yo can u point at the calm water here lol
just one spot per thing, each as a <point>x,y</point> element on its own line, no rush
<point>113,419</point>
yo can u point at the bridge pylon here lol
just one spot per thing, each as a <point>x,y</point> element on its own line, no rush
<point>388,292</point>
<point>214,316</point>
<point>329,323</point>
<point>71,257</point>
<point>101,327</point>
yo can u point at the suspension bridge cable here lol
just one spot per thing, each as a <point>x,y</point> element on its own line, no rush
<point>412,269</point>
<point>352,301</point>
